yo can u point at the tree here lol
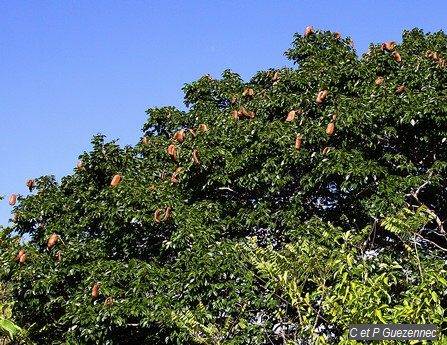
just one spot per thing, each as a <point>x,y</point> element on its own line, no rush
<point>274,211</point>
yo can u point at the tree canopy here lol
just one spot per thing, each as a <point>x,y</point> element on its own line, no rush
<point>274,211</point>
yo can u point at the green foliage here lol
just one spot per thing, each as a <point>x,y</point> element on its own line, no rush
<point>252,240</point>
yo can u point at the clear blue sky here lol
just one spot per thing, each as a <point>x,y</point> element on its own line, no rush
<point>72,69</point>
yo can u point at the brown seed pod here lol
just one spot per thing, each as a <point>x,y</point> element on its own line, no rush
<point>379,81</point>
<point>330,129</point>
<point>172,152</point>
<point>59,256</point>
<point>428,53</point>
<point>321,97</point>
<point>195,157</point>
<point>248,92</point>
<point>22,258</point>
<point>108,301</point>
<point>116,180</point>
<point>175,174</point>
<point>80,165</point>
<point>243,111</point>
<point>290,116</point>
<point>95,290</point>
<point>12,199</point>
<point>144,141</point>
<point>435,56</point>
<point>400,89</point>
<point>246,113</point>
<point>30,184</point>
<point>275,76</point>
<point>309,31</point>
<point>337,35</point>
<point>388,46</point>
<point>52,241</point>
<point>174,178</point>
<point>298,142</point>
<point>441,63</point>
<point>167,214</point>
<point>19,255</point>
<point>397,56</point>
<point>203,127</point>
<point>179,136</point>
<point>326,150</point>
<point>192,131</point>
<point>157,215</point>
<point>334,117</point>
<point>235,114</point>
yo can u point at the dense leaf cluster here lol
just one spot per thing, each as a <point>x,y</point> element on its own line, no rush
<point>238,235</point>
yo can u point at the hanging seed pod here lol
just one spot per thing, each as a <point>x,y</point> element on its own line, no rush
<point>379,81</point>
<point>52,241</point>
<point>195,157</point>
<point>80,165</point>
<point>330,129</point>
<point>428,53</point>
<point>179,136</point>
<point>30,184</point>
<point>250,114</point>
<point>108,301</point>
<point>397,56</point>
<point>275,76</point>
<point>192,131</point>
<point>243,111</point>
<point>12,199</point>
<point>388,46</point>
<point>334,117</point>
<point>203,127</point>
<point>22,258</point>
<point>298,142</point>
<point>172,152</point>
<point>321,97</point>
<point>95,290</point>
<point>337,35</point>
<point>325,151</point>
<point>435,56</point>
<point>309,31</point>
<point>249,92</point>
<point>58,256</point>
<point>235,114</point>
<point>144,141</point>
<point>167,214</point>
<point>157,215</point>
<point>441,63</point>
<point>19,255</point>
<point>175,174</point>
<point>400,89</point>
<point>116,180</point>
<point>290,116</point>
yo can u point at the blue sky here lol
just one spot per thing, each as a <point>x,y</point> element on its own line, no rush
<point>72,69</point>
